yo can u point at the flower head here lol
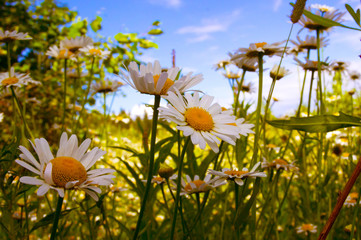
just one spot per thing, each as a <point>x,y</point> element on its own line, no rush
<point>15,79</point>
<point>197,185</point>
<point>156,179</point>
<point>278,72</point>
<point>236,175</point>
<point>106,86</point>
<point>198,118</point>
<point>325,12</point>
<point>90,50</point>
<point>306,228</point>
<point>68,170</point>
<point>60,53</point>
<point>74,44</point>
<point>279,164</point>
<point>150,79</point>
<point>8,36</point>
<point>312,65</point>
<point>310,42</point>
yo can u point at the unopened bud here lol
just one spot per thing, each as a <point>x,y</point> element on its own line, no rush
<point>165,171</point>
<point>298,10</point>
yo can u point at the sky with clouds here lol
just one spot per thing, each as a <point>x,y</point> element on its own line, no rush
<point>203,32</point>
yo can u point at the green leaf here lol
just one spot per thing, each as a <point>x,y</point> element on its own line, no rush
<point>122,38</point>
<point>324,123</point>
<point>355,15</point>
<point>49,219</point>
<point>96,24</point>
<point>156,23</point>
<point>147,44</point>
<point>156,31</point>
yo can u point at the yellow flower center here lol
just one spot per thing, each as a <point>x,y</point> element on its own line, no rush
<point>260,45</point>
<point>158,179</point>
<point>9,81</point>
<point>94,51</point>
<point>280,162</point>
<point>64,53</point>
<point>307,227</point>
<point>198,183</point>
<point>199,119</point>
<point>354,195</point>
<point>168,83</point>
<point>351,201</point>
<point>66,169</point>
<point>235,172</point>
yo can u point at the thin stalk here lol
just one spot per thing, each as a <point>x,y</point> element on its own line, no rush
<point>355,215</point>
<point>258,110</point>
<point>56,217</point>
<point>319,72</point>
<point>85,99</point>
<point>105,120</point>
<point>151,163</point>
<point>199,212</point>
<point>236,100</point>
<point>310,94</point>
<point>165,199</point>
<point>26,217</point>
<point>180,168</point>
<point>236,196</point>
<point>106,225</point>
<point>9,57</point>
<point>64,97</point>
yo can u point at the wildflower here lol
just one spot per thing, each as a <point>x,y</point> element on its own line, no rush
<point>150,79</point>
<point>60,53</point>
<point>329,13</point>
<point>74,44</point>
<point>250,65</point>
<point>106,86</point>
<point>236,175</point>
<point>198,186</point>
<point>339,66</point>
<point>306,229</point>
<point>198,118</point>
<point>8,36</point>
<point>310,42</point>
<point>311,65</point>
<point>279,164</point>
<point>165,171</point>
<point>354,75</point>
<point>232,75</point>
<point>350,202</point>
<point>68,170</point>
<point>278,73</point>
<point>244,54</point>
<point>323,8</point>
<point>222,64</point>
<point>95,52</point>
<point>156,179</point>
<point>15,79</point>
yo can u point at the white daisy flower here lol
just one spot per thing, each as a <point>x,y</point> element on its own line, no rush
<point>282,72</point>
<point>197,185</point>
<point>252,52</point>
<point>15,79</point>
<point>156,179</point>
<point>106,86</point>
<point>90,50</point>
<point>306,228</point>
<point>333,15</point>
<point>74,44</point>
<point>323,7</point>
<point>310,42</point>
<point>198,118</point>
<point>68,170</point>
<point>236,175</point>
<point>1,117</point>
<point>60,53</point>
<point>279,164</point>
<point>150,79</point>
<point>8,36</point>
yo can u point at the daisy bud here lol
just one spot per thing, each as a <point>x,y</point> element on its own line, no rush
<point>165,171</point>
<point>298,10</point>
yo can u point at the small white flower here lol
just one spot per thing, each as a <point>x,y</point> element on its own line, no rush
<point>14,35</point>
<point>90,50</point>
<point>15,79</point>
<point>306,229</point>
<point>74,44</point>
<point>60,53</point>
<point>197,185</point>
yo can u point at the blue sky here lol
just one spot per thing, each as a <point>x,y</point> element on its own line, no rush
<point>203,32</point>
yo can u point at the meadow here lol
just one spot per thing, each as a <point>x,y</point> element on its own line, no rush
<point>192,169</point>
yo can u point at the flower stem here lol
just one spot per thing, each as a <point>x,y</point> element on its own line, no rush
<point>151,163</point>
<point>64,97</point>
<point>236,100</point>
<point>319,72</point>
<point>258,110</point>
<point>56,217</point>
<point>180,167</point>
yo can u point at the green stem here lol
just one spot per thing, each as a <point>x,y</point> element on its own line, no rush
<point>85,99</point>
<point>9,57</point>
<point>319,72</point>
<point>26,216</point>
<point>238,92</point>
<point>56,217</point>
<point>199,212</point>
<point>64,97</point>
<point>355,215</point>
<point>151,163</point>
<point>236,195</point>
<point>165,199</point>
<point>105,121</point>
<point>258,110</point>
<point>180,167</point>
<point>310,94</point>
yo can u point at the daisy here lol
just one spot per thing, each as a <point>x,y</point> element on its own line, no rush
<point>244,128</point>
<point>350,202</point>
<point>8,36</point>
<point>311,65</point>
<point>323,7</point>
<point>60,53</point>
<point>333,15</point>
<point>197,185</point>
<point>95,52</point>
<point>221,64</point>
<point>279,164</point>
<point>244,54</point>
<point>310,42</point>
<point>250,65</point>
<point>282,72</point>
<point>74,44</point>
<point>156,179</point>
<point>236,175</point>
<point>165,171</point>
<point>150,79</point>
<point>106,86</point>
<point>306,228</point>
<point>198,118</point>
<point>354,75</point>
<point>15,79</point>
<point>232,75</point>
<point>68,170</point>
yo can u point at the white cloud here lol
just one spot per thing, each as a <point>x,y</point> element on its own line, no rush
<point>167,3</point>
<point>146,58</point>
<point>209,26</point>
<point>101,11</point>
<point>277,4</point>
